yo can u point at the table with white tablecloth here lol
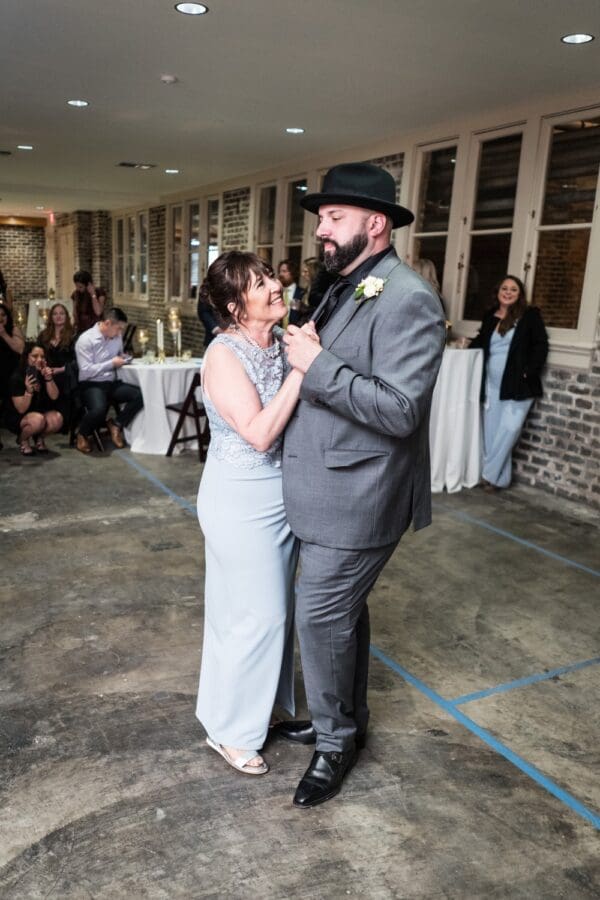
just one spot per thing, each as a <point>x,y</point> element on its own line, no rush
<point>35,323</point>
<point>455,425</point>
<point>160,383</point>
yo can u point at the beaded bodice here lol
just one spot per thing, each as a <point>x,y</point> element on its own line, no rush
<point>266,369</point>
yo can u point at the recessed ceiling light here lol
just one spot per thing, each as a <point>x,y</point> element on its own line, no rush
<point>577,38</point>
<point>40,207</point>
<point>295,130</point>
<point>145,166</point>
<point>24,147</point>
<point>78,103</point>
<point>191,9</point>
<point>171,171</point>
<point>169,79</point>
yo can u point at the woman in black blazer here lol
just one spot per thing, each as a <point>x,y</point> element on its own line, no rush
<point>515,347</point>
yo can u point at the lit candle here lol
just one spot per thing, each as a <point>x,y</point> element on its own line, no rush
<point>160,340</point>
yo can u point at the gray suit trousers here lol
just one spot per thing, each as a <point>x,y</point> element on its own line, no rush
<point>332,620</point>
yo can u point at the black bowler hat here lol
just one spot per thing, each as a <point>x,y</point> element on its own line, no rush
<point>360,184</point>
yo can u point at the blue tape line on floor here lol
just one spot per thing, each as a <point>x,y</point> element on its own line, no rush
<point>522,682</point>
<point>568,799</point>
<point>157,482</point>
<point>446,705</point>
<point>465,517</point>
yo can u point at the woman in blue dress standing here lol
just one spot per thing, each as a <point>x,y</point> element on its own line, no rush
<point>249,395</point>
<point>515,347</point>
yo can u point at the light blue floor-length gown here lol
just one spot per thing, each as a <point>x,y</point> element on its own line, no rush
<point>248,649</point>
<point>503,420</point>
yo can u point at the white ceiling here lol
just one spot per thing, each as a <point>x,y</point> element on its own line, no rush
<point>348,71</point>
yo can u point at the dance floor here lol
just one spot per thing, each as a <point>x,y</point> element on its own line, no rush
<point>480,777</point>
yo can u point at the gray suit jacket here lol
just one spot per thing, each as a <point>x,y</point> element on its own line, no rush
<point>356,451</point>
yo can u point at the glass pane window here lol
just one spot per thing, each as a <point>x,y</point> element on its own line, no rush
<point>433,248</point>
<point>437,179</point>
<point>572,173</point>
<point>265,253</point>
<point>497,183</point>
<point>295,213</point>
<point>493,213</point>
<point>266,215</point>
<point>193,249</point>
<point>176,244</point>
<point>214,237</point>
<point>294,252</point>
<point>120,269</point>
<point>487,266</point>
<point>143,253</point>
<point>564,233</point>
<point>560,268</point>
<point>131,254</point>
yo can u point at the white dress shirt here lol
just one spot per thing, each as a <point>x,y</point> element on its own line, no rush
<point>95,354</point>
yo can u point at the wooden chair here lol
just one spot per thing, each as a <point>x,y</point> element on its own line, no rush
<point>191,409</point>
<point>128,337</point>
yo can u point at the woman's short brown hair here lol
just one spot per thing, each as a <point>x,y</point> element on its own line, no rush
<point>228,279</point>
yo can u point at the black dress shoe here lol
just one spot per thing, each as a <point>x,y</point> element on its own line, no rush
<point>323,778</point>
<point>300,732</point>
<point>303,732</point>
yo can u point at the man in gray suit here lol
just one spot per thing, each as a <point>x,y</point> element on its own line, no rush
<point>356,453</point>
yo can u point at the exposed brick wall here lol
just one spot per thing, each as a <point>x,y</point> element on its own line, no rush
<point>101,241</point>
<point>559,449</point>
<point>559,276</point>
<point>192,332</point>
<point>23,261</point>
<point>236,219</point>
<point>394,163</point>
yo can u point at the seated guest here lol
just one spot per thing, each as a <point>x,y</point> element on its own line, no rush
<point>59,345</point>
<point>11,346</point>
<point>35,398</point>
<point>87,308</point>
<point>99,353</point>
<point>287,273</point>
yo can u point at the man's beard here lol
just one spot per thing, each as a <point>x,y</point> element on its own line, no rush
<point>344,254</point>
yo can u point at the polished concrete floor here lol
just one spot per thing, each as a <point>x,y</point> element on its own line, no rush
<point>481,778</point>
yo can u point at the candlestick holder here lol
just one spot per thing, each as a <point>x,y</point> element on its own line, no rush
<point>176,335</point>
<point>161,357</point>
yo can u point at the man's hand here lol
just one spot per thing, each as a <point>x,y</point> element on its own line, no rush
<point>118,361</point>
<point>302,346</point>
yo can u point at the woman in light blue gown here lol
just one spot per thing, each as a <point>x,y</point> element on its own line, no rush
<point>249,395</point>
<point>515,347</point>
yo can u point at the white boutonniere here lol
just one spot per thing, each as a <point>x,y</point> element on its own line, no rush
<point>369,288</point>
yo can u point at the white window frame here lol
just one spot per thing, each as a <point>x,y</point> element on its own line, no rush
<point>568,347</point>
<point>450,274</point>
<point>256,232</point>
<point>468,191</point>
<point>139,296</point>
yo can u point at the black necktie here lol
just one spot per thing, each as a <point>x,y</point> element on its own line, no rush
<point>332,301</point>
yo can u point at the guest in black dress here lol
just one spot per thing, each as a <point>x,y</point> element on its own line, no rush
<point>11,346</point>
<point>58,342</point>
<point>35,399</point>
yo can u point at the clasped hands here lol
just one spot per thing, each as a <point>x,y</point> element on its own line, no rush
<point>302,345</point>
